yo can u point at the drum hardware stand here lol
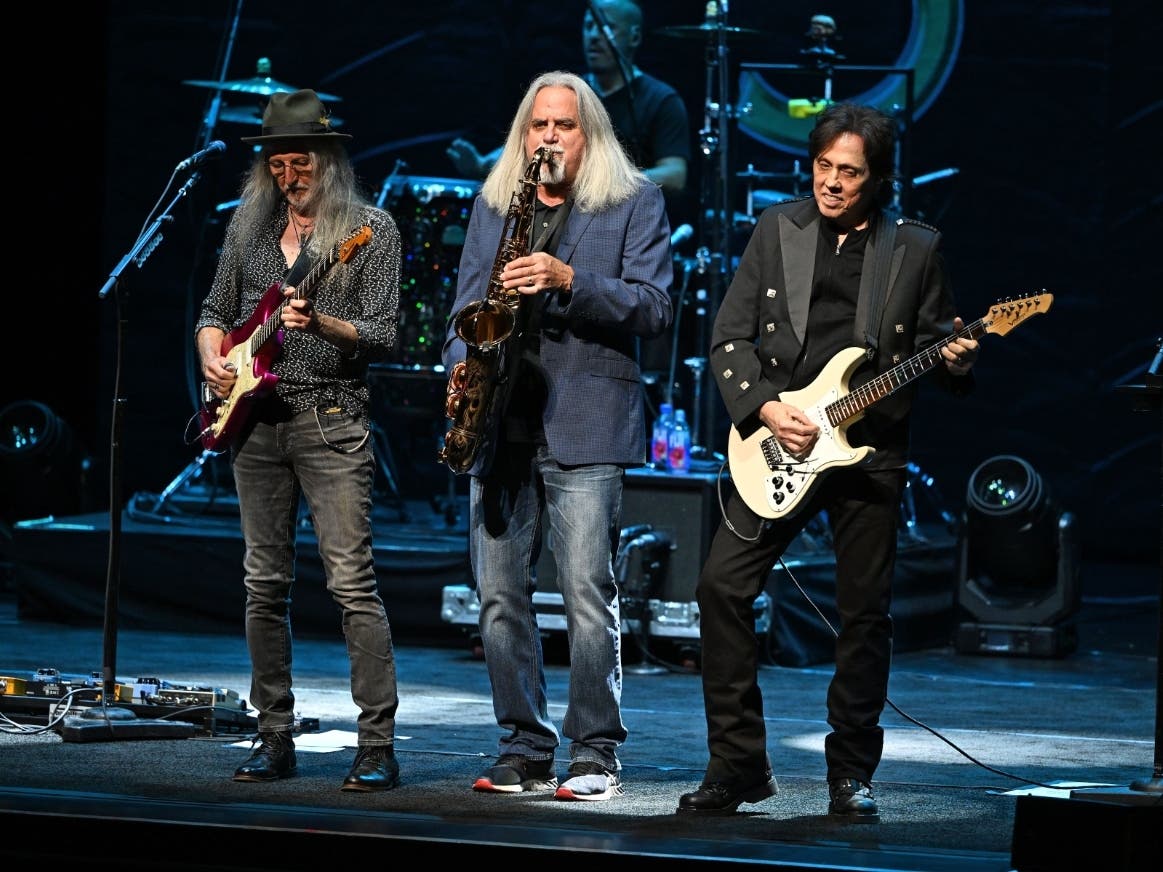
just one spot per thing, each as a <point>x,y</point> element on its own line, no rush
<point>192,469</point>
<point>820,29</point>
<point>386,462</point>
<point>715,144</point>
<point>386,187</point>
<point>905,113</point>
<point>697,365</point>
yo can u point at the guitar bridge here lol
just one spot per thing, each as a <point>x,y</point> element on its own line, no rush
<point>772,452</point>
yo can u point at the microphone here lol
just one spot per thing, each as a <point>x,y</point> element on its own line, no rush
<point>198,158</point>
<point>681,234</point>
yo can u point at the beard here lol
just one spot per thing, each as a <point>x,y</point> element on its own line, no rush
<point>553,170</point>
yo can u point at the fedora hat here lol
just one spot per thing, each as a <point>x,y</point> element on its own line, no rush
<point>295,115</point>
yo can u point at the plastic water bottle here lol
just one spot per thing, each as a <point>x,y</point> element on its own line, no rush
<point>660,438</point>
<point>678,455</point>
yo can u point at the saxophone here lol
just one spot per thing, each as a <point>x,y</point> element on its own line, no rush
<point>472,398</point>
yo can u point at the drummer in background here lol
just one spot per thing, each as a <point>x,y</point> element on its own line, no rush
<point>649,118</point>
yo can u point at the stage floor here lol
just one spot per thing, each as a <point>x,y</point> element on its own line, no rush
<point>965,736</point>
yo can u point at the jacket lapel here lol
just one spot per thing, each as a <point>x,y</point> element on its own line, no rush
<point>798,245</point>
<point>575,226</point>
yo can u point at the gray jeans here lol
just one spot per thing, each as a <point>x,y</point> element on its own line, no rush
<point>327,459</point>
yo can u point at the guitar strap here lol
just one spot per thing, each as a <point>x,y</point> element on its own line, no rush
<point>881,267</point>
<point>300,267</point>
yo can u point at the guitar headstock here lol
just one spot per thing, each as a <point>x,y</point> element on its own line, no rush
<point>1007,314</point>
<point>359,236</point>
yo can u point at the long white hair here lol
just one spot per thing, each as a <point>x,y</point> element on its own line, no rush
<point>606,175</point>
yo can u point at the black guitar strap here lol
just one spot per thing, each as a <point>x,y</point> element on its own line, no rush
<point>881,268</point>
<point>300,267</point>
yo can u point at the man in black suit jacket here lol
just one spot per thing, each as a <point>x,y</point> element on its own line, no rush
<point>819,277</point>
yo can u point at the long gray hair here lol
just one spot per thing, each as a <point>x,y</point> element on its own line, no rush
<point>336,199</point>
<point>605,176</point>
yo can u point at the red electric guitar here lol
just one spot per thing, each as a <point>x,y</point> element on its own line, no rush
<point>252,347</point>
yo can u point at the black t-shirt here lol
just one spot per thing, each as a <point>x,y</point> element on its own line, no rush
<point>832,328</point>
<point>832,313</point>
<point>655,125</point>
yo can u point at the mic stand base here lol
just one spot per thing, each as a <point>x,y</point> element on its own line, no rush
<point>99,724</point>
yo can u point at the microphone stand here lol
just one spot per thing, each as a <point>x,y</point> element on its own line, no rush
<point>624,65</point>
<point>107,722</point>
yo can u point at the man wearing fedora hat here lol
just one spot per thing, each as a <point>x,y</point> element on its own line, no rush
<point>303,221</point>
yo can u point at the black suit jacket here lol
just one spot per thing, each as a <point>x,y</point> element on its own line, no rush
<point>760,326</point>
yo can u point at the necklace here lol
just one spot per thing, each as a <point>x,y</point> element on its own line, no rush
<point>303,231</point>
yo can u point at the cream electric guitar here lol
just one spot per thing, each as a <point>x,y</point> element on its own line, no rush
<point>774,482</point>
<point>252,347</point>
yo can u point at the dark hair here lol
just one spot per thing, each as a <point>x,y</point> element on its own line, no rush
<point>877,129</point>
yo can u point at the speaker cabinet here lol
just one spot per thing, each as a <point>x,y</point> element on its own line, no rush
<point>681,506</point>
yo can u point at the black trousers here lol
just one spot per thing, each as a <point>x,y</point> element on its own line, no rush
<point>863,512</point>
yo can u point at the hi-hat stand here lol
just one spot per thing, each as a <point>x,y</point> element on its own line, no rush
<point>716,222</point>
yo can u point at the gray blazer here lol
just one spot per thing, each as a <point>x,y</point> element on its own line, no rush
<point>589,345</point>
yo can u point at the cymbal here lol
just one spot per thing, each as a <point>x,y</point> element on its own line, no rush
<point>703,31</point>
<point>763,176</point>
<point>253,115</point>
<point>760,200</point>
<point>263,85</point>
<point>240,115</point>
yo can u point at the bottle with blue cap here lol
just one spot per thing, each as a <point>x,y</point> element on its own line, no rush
<point>678,455</point>
<point>660,436</point>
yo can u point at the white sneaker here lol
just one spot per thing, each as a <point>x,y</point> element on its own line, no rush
<point>591,782</point>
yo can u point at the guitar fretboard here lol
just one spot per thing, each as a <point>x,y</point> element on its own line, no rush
<point>303,290</point>
<point>900,375</point>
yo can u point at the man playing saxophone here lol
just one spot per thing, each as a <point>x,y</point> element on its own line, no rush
<point>594,282</point>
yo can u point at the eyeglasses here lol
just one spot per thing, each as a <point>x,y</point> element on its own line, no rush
<point>300,166</point>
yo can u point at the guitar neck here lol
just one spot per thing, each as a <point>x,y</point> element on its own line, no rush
<point>303,290</point>
<point>892,380</point>
<point>306,287</point>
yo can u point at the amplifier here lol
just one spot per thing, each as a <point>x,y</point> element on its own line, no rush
<point>681,507</point>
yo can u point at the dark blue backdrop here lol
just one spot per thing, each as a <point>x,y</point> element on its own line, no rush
<point>1044,116</point>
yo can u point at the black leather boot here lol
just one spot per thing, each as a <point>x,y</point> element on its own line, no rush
<point>274,758</point>
<point>852,800</point>
<point>375,768</point>
<point>723,797</point>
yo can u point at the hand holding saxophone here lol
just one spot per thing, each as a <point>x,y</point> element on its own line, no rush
<point>537,272</point>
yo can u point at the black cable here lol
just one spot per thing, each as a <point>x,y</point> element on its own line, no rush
<point>762,527</point>
<point>902,713</point>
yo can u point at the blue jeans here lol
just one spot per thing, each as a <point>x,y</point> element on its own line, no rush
<point>582,508</point>
<point>312,456</point>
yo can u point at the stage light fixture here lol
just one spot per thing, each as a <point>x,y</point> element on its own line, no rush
<point>1018,574</point>
<point>43,468</point>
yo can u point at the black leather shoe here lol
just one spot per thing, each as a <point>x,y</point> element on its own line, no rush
<point>852,800</point>
<point>274,758</point>
<point>723,797</point>
<point>375,768</point>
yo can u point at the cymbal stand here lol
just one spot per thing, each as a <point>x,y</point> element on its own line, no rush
<point>715,144</point>
<point>386,187</point>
